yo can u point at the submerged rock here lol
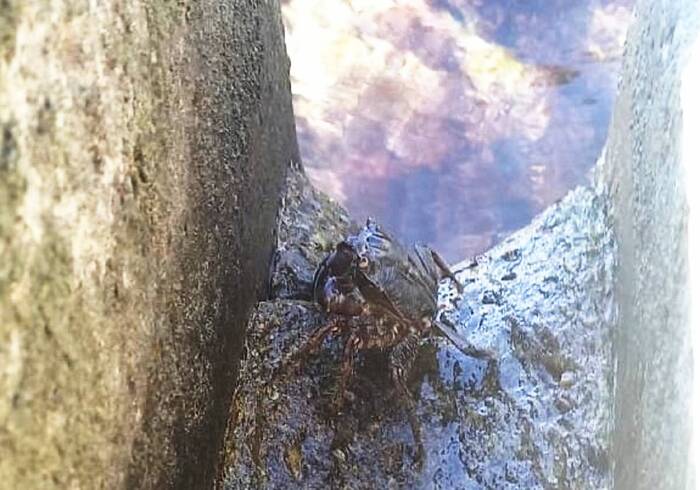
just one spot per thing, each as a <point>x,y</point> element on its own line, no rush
<point>540,418</point>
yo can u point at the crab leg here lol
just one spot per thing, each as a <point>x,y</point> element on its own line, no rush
<point>445,269</point>
<point>401,359</point>
<point>334,327</point>
<point>352,345</point>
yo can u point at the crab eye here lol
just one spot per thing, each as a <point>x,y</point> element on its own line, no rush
<point>364,262</point>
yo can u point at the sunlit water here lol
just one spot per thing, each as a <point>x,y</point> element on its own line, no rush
<point>453,122</point>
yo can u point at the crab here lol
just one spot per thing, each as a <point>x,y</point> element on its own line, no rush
<point>383,296</point>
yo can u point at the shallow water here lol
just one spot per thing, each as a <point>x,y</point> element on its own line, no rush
<point>452,122</point>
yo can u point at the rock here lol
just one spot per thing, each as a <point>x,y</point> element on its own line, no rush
<point>142,149</point>
<point>596,281</point>
<point>309,226</point>
<point>567,379</point>
<point>546,301</point>
<point>643,175</point>
<point>483,426</point>
<point>562,404</point>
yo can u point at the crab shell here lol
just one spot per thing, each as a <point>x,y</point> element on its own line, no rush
<point>402,281</point>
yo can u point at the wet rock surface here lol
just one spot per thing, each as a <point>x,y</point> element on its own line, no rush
<point>538,418</point>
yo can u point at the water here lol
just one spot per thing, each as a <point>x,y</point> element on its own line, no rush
<point>452,122</point>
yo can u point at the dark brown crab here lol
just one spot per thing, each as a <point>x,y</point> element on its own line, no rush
<point>383,296</point>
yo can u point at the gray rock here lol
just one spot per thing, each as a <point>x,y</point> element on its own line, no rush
<point>548,312</point>
<point>309,226</point>
<point>642,170</point>
<point>567,379</point>
<point>143,146</point>
<point>596,281</point>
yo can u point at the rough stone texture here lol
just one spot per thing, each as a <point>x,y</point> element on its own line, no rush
<point>543,300</point>
<point>595,282</point>
<point>643,172</point>
<point>586,308</point>
<point>309,226</point>
<point>142,148</point>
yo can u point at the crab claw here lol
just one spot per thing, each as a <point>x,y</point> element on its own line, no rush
<point>333,300</point>
<point>331,295</point>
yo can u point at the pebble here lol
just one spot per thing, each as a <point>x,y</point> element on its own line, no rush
<point>567,379</point>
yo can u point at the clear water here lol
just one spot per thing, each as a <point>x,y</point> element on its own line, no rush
<point>453,122</point>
